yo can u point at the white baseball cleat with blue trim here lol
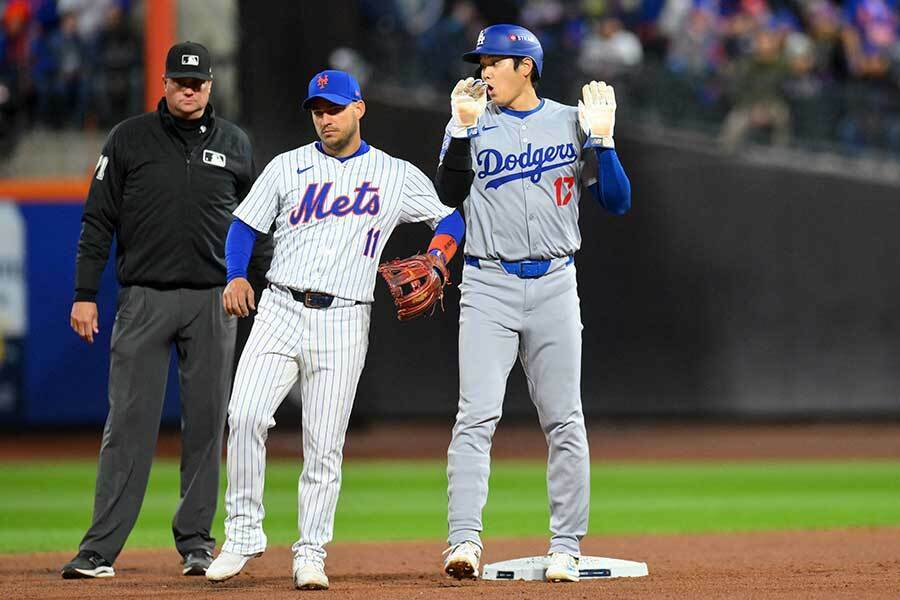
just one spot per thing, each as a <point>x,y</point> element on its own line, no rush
<point>562,567</point>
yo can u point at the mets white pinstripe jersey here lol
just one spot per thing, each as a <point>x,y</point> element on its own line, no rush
<point>332,219</point>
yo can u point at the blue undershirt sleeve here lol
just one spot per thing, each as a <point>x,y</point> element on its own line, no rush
<point>238,248</point>
<point>612,189</point>
<point>452,225</point>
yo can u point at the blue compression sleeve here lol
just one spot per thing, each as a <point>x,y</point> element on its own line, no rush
<point>238,248</point>
<point>613,189</point>
<point>452,225</point>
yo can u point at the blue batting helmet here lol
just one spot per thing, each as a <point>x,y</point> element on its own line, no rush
<point>507,40</point>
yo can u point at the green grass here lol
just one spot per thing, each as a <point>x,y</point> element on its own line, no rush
<point>47,506</point>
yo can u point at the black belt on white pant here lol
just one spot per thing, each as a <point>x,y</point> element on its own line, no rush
<point>313,299</point>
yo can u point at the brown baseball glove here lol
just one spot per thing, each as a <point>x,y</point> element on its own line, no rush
<point>416,283</point>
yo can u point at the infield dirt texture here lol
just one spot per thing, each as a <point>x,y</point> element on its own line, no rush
<point>816,561</point>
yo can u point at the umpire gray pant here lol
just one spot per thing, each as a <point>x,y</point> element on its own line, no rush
<point>148,322</point>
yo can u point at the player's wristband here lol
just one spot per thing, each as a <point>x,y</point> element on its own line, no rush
<point>440,256</point>
<point>462,132</point>
<point>599,141</point>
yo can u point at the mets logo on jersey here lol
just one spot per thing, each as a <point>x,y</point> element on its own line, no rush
<point>531,163</point>
<point>322,81</point>
<point>314,203</point>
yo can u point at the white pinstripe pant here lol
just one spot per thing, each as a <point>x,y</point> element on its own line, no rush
<point>325,349</point>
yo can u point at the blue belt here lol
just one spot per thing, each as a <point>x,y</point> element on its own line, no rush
<point>525,269</point>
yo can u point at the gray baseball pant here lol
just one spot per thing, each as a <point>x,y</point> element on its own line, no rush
<point>148,322</point>
<point>501,317</point>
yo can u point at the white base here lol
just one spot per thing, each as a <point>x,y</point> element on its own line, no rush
<point>532,568</point>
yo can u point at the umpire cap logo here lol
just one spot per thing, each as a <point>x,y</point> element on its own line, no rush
<point>190,59</point>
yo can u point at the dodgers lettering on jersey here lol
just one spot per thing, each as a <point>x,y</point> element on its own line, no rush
<point>332,218</point>
<point>532,163</point>
<point>529,172</point>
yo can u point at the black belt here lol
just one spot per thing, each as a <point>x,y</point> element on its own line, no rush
<point>313,299</point>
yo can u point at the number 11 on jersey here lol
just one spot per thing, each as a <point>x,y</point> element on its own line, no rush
<point>371,242</point>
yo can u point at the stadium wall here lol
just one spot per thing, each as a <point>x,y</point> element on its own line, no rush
<point>729,290</point>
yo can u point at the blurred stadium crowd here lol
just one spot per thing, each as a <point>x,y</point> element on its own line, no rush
<point>814,73</point>
<point>67,64</point>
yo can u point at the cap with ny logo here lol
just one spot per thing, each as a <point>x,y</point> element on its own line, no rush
<point>338,87</point>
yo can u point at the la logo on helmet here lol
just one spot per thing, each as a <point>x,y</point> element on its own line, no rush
<point>480,41</point>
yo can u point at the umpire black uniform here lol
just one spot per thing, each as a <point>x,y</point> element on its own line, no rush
<point>165,186</point>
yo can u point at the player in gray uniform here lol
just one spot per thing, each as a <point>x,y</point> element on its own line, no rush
<point>517,164</point>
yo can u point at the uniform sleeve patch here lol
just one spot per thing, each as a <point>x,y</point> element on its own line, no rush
<point>100,169</point>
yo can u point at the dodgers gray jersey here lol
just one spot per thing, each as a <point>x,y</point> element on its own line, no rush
<point>529,167</point>
<point>333,217</point>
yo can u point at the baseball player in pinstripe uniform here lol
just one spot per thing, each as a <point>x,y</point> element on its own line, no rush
<point>334,203</point>
<point>518,165</point>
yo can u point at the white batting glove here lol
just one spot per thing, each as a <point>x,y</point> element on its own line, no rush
<point>467,103</point>
<point>597,114</point>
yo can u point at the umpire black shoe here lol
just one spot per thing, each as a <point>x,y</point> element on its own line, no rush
<point>87,564</point>
<point>196,562</point>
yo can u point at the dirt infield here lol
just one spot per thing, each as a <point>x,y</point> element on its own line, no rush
<point>859,564</point>
<point>853,563</point>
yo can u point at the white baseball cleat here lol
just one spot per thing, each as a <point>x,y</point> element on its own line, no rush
<point>562,567</point>
<point>310,576</point>
<point>227,565</point>
<point>461,561</point>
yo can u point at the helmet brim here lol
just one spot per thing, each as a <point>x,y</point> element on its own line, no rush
<point>473,57</point>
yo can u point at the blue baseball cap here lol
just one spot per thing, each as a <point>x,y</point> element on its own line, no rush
<point>335,86</point>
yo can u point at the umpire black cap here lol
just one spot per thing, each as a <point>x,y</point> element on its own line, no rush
<point>188,60</point>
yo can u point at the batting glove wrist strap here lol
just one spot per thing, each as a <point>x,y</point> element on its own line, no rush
<point>600,142</point>
<point>463,132</point>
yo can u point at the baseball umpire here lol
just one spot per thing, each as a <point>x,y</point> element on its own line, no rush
<point>518,165</point>
<point>165,186</point>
